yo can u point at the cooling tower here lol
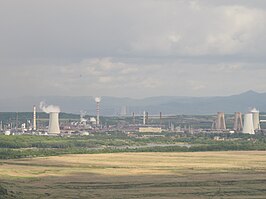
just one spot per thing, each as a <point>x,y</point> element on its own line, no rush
<point>238,122</point>
<point>256,119</point>
<point>248,124</point>
<point>53,123</point>
<point>220,123</point>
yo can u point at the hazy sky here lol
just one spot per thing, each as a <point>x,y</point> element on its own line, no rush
<point>134,48</point>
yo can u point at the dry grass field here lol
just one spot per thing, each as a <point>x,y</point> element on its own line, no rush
<point>237,174</point>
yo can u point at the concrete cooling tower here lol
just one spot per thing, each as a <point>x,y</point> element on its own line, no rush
<point>220,121</point>
<point>248,124</point>
<point>238,126</point>
<point>53,123</point>
<point>256,119</point>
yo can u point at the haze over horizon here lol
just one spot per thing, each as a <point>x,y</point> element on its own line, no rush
<point>128,97</point>
<point>133,49</point>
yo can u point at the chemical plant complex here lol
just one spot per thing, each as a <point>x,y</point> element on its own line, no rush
<point>49,121</point>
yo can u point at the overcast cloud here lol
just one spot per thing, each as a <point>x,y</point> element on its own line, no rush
<point>134,48</point>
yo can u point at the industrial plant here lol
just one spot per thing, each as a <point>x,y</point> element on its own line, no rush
<point>48,120</point>
<point>251,122</point>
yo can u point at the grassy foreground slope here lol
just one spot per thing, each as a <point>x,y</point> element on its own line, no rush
<point>238,174</point>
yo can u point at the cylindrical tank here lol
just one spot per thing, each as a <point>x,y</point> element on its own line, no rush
<point>248,124</point>
<point>53,123</point>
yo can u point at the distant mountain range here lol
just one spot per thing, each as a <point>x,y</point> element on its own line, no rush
<point>153,105</point>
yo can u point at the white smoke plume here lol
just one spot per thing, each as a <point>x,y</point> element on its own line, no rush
<point>254,110</point>
<point>49,108</point>
<point>97,99</point>
<point>82,113</point>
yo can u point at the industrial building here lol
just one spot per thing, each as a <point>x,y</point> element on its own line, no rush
<point>150,129</point>
<point>141,122</point>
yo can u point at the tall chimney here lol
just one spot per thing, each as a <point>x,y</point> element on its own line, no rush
<point>134,120</point>
<point>98,100</point>
<point>34,118</point>
<point>161,118</point>
<point>147,117</point>
<point>144,117</point>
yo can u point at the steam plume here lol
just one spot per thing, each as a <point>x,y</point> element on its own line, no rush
<point>49,108</point>
<point>254,110</point>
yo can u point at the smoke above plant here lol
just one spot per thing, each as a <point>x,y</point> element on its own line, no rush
<point>49,108</point>
<point>254,110</point>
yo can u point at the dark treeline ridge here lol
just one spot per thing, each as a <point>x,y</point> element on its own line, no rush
<point>6,117</point>
<point>35,146</point>
<point>12,153</point>
<point>17,142</point>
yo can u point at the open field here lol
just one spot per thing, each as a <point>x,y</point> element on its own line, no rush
<point>238,174</point>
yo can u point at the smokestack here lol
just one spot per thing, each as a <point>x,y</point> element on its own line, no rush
<point>17,122</point>
<point>147,117</point>
<point>238,122</point>
<point>53,123</point>
<point>98,100</point>
<point>134,120</point>
<point>161,118</point>
<point>34,118</point>
<point>144,117</point>
<point>248,124</point>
